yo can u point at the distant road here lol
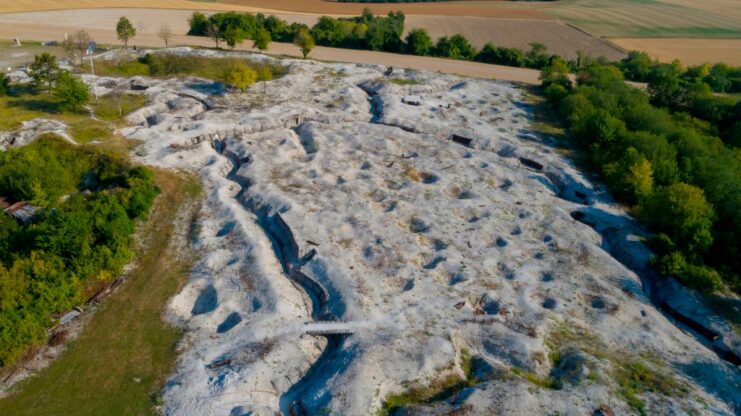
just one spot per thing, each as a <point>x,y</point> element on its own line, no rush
<point>48,26</point>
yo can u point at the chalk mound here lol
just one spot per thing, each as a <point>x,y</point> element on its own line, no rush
<point>359,246</point>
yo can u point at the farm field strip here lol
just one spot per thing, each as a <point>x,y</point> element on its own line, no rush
<point>631,18</point>
<point>688,51</point>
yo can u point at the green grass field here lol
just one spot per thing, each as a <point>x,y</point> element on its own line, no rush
<point>649,18</point>
<point>120,362</point>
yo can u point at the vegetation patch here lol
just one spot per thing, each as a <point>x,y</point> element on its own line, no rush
<point>87,202</point>
<point>402,81</point>
<point>439,389</point>
<point>670,153</point>
<point>635,378</point>
<point>167,65</point>
<point>24,103</point>
<point>120,362</point>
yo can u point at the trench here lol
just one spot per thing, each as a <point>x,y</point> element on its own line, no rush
<point>287,252</point>
<point>651,281</point>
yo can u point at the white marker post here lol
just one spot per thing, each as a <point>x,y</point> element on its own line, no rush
<point>89,51</point>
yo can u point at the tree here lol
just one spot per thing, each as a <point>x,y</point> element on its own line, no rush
<point>125,30</point>
<point>165,34</point>
<point>502,56</point>
<point>305,42</point>
<point>234,36</point>
<point>264,74</point>
<point>198,23</point>
<point>4,83</point>
<point>630,177</point>
<point>681,211</point>
<point>214,32</point>
<point>557,72</point>
<point>418,42</point>
<point>262,39</point>
<point>44,70</point>
<point>71,91</point>
<point>637,66</point>
<point>456,47</point>
<point>240,75</point>
<point>537,56</point>
<point>665,85</point>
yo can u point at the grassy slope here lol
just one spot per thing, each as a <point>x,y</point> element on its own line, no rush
<point>120,361</point>
<point>23,105</point>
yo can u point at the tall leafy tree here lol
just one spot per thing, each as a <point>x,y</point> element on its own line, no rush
<point>44,70</point>
<point>418,42</point>
<point>305,42</point>
<point>125,30</point>
<point>234,36</point>
<point>262,39</point>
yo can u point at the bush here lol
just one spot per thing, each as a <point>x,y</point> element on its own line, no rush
<point>455,47</point>
<point>699,277</point>
<point>418,42</point>
<point>4,84</point>
<point>682,212</point>
<point>501,56</point>
<point>240,75</point>
<point>71,91</point>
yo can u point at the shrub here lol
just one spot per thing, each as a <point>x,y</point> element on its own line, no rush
<point>305,42</point>
<point>4,84</point>
<point>240,75</point>
<point>682,212</point>
<point>71,92</point>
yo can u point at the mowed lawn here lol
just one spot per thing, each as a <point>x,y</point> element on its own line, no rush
<point>120,362</point>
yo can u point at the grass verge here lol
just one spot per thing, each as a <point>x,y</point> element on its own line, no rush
<point>120,362</point>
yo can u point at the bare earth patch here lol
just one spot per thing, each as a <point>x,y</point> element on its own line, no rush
<point>558,37</point>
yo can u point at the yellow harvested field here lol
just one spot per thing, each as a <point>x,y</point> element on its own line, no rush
<point>8,6</point>
<point>558,37</point>
<point>689,51</point>
<point>320,7</point>
<point>447,8</point>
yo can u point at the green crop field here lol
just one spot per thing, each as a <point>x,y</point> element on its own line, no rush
<point>650,18</point>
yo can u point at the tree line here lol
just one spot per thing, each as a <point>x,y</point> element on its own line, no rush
<point>681,174</point>
<point>699,90</point>
<point>366,31</point>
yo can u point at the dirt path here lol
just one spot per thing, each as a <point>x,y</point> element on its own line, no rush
<point>148,38</point>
